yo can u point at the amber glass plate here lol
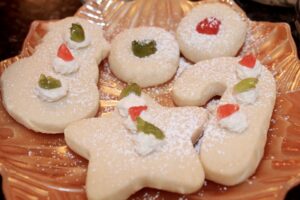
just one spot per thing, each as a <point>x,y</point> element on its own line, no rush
<point>39,166</point>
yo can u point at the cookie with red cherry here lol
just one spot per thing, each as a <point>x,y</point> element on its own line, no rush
<point>141,144</point>
<point>57,84</point>
<point>211,30</point>
<point>235,136</point>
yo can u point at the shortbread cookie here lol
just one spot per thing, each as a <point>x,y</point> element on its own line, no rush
<point>147,56</point>
<point>58,83</point>
<point>211,30</point>
<point>141,144</point>
<point>235,136</point>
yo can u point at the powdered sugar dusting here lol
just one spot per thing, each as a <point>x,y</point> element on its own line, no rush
<point>226,42</point>
<point>109,144</point>
<point>151,70</point>
<point>82,98</point>
<point>219,146</point>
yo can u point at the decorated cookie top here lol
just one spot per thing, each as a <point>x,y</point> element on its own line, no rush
<point>50,89</point>
<point>115,149</point>
<point>245,91</point>
<point>194,87</point>
<point>77,33</point>
<point>133,108</point>
<point>226,110</point>
<point>209,26</point>
<point>52,82</point>
<point>148,56</point>
<point>210,30</point>
<point>64,53</point>
<point>135,111</point>
<point>77,37</point>
<point>231,118</point>
<point>143,48</point>
<point>248,61</point>
<point>65,62</point>
<point>131,88</point>
<point>249,67</point>
<point>48,82</point>
<point>235,135</point>
<point>245,85</point>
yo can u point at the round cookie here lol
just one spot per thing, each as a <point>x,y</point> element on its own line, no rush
<point>211,30</point>
<point>156,66</point>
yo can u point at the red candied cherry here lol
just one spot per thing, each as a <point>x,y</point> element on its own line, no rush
<point>64,53</point>
<point>226,110</point>
<point>209,26</point>
<point>248,60</point>
<point>135,111</point>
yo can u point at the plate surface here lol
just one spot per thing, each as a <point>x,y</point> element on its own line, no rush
<point>39,166</point>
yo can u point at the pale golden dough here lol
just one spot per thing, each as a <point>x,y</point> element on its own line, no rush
<point>195,46</point>
<point>116,171</point>
<point>152,70</point>
<point>228,158</point>
<point>19,80</point>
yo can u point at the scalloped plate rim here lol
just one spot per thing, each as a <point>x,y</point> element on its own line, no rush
<point>291,183</point>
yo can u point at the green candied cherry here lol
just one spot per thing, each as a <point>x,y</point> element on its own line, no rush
<point>131,88</point>
<point>143,48</point>
<point>245,85</point>
<point>77,33</point>
<point>148,128</point>
<point>48,82</point>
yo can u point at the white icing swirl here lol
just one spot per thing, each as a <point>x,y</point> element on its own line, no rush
<point>247,97</point>
<point>130,101</point>
<point>237,122</point>
<point>77,45</point>
<point>51,95</point>
<point>246,72</point>
<point>65,67</point>
<point>130,125</point>
<point>146,143</point>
